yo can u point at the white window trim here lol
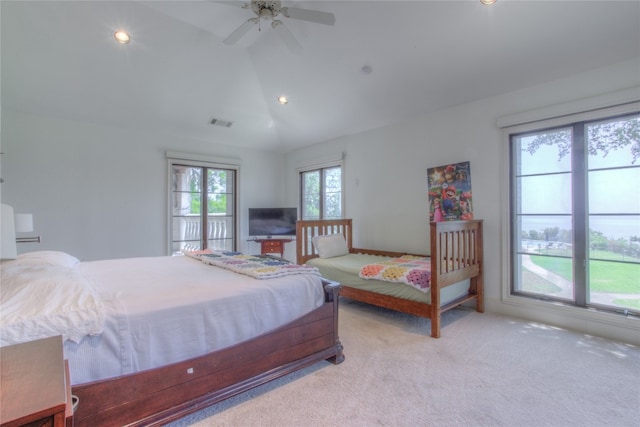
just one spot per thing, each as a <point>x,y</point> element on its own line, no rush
<point>571,109</point>
<point>224,162</point>
<point>320,162</point>
<point>201,160</point>
<point>588,320</point>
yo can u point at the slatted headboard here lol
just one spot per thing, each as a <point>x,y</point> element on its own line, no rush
<point>308,229</point>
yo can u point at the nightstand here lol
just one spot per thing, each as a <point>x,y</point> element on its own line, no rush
<point>272,246</point>
<point>34,385</point>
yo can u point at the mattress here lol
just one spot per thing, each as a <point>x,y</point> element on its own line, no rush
<point>161,310</point>
<point>345,269</point>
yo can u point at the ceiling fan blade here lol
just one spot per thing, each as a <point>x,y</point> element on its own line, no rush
<point>242,4</point>
<point>240,31</point>
<point>316,16</point>
<point>286,36</point>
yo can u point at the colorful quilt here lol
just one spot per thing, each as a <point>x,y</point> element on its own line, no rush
<point>411,270</point>
<point>249,265</point>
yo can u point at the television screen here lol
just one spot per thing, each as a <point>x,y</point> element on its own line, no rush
<point>272,221</point>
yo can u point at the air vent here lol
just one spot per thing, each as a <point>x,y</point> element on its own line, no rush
<point>223,123</point>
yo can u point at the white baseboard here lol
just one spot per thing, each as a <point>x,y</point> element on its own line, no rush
<point>591,322</point>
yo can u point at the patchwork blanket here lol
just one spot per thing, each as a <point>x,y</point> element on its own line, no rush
<point>408,269</point>
<point>249,265</point>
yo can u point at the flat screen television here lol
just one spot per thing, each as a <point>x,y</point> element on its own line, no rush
<point>268,222</point>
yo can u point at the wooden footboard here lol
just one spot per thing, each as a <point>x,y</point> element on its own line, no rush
<point>161,395</point>
<point>456,255</point>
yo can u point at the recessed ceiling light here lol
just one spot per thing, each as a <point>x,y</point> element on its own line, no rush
<point>283,100</point>
<point>488,2</point>
<point>122,37</point>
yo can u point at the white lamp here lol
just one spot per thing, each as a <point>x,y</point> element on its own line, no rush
<point>8,248</point>
<point>24,223</point>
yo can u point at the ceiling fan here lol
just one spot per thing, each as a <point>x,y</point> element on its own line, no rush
<point>268,10</point>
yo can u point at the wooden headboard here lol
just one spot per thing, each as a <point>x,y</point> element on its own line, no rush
<point>308,229</point>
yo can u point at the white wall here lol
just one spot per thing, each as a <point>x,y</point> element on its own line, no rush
<point>99,192</point>
<point>386,172</point>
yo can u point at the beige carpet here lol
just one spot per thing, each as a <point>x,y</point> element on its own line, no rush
<point>486,370</point>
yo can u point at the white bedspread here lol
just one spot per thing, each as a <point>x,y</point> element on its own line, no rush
<point>161,310</point>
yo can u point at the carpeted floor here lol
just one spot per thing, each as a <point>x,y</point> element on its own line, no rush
<point>486,370</point>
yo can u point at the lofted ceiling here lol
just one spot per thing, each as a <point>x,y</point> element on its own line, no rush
<point>59,58</point>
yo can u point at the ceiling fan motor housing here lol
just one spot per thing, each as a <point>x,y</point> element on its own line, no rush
<point>266,9</point>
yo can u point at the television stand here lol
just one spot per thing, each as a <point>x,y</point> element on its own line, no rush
<point>272,246</point>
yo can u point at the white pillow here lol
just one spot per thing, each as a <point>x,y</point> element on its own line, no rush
<point>39,301</point>
<point>58,258</point>
<point>330,246</point>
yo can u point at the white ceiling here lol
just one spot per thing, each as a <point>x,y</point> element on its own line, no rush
<point>59,58</point>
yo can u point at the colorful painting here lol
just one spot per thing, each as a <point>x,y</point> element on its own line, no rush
<point>450,196</point>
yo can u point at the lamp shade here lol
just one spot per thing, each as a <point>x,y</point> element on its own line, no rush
<point>24,223</point>
<point>8,248</point>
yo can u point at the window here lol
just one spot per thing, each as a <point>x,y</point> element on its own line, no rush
<point>203,207</point>
<point>321,193</point>
<point>575,213</point>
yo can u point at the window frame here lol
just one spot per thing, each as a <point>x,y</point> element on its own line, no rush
<point>321,167</point>
<point>594,109</point>
<point>207,162</point>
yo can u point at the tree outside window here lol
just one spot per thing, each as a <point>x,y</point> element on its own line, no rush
<point>321,196</point>
<point>202,208</point>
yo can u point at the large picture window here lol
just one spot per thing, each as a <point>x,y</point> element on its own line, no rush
<point>575,214</point>
<point>202,207</point>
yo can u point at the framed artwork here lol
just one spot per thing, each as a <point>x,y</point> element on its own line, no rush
<point>450,196</point>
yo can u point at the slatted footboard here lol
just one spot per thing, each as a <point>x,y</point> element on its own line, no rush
<point>456,255</point>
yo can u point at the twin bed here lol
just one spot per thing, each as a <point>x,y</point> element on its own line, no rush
<point>149,340</point>
<point>454,266</point>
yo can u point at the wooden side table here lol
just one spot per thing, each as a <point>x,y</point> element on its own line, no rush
<point>272,246</point>
<point>34,385</point>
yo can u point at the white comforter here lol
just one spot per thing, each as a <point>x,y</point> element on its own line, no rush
<point>161,310</point>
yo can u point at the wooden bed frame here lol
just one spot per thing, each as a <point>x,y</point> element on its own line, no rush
<point>456,255</point>
<point>158,396</point>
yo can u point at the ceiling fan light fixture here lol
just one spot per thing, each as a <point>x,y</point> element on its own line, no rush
<point>266,14</point>
<point>268,10</point>
<point>283,100</point>
<point>122,37</point>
